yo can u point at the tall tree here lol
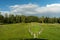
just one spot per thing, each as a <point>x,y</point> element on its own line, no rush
<point>31,19</point>
<point>1,18</point>
<point>11,18</point>
<point>46,19</point>
<point>18,18</point>
<point>6,18</point>
<point>58,20</point>
<point>23,18</point>
<point>42,19</point>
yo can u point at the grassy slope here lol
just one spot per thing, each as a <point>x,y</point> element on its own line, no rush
<point>51,31</point>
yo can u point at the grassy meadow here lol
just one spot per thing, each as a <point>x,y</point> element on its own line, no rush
<point>20,31</point>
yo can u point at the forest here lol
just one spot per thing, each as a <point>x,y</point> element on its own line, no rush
<point>11,18</point>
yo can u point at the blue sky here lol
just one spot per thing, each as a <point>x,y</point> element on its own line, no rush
<point>5,3</point>
<point>33,7</point>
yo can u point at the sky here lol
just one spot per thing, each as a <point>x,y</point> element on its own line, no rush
<point>49,8</point>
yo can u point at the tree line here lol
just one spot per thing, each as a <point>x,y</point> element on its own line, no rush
<point>8,19</point>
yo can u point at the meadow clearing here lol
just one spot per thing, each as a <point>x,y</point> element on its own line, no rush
<point>20,31</point>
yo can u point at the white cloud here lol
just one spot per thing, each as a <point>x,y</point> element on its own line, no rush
<point>24,9</point>
<point>53,8</point>
<point>35,9</point>
<point>4,12</point>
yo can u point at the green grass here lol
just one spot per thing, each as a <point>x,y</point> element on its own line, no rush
<point>20,30</point>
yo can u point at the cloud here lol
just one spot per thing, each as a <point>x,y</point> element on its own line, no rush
<point>35,9</point>
<point>53,8</point>
<point>24,9</point>
<point>4,12</point>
